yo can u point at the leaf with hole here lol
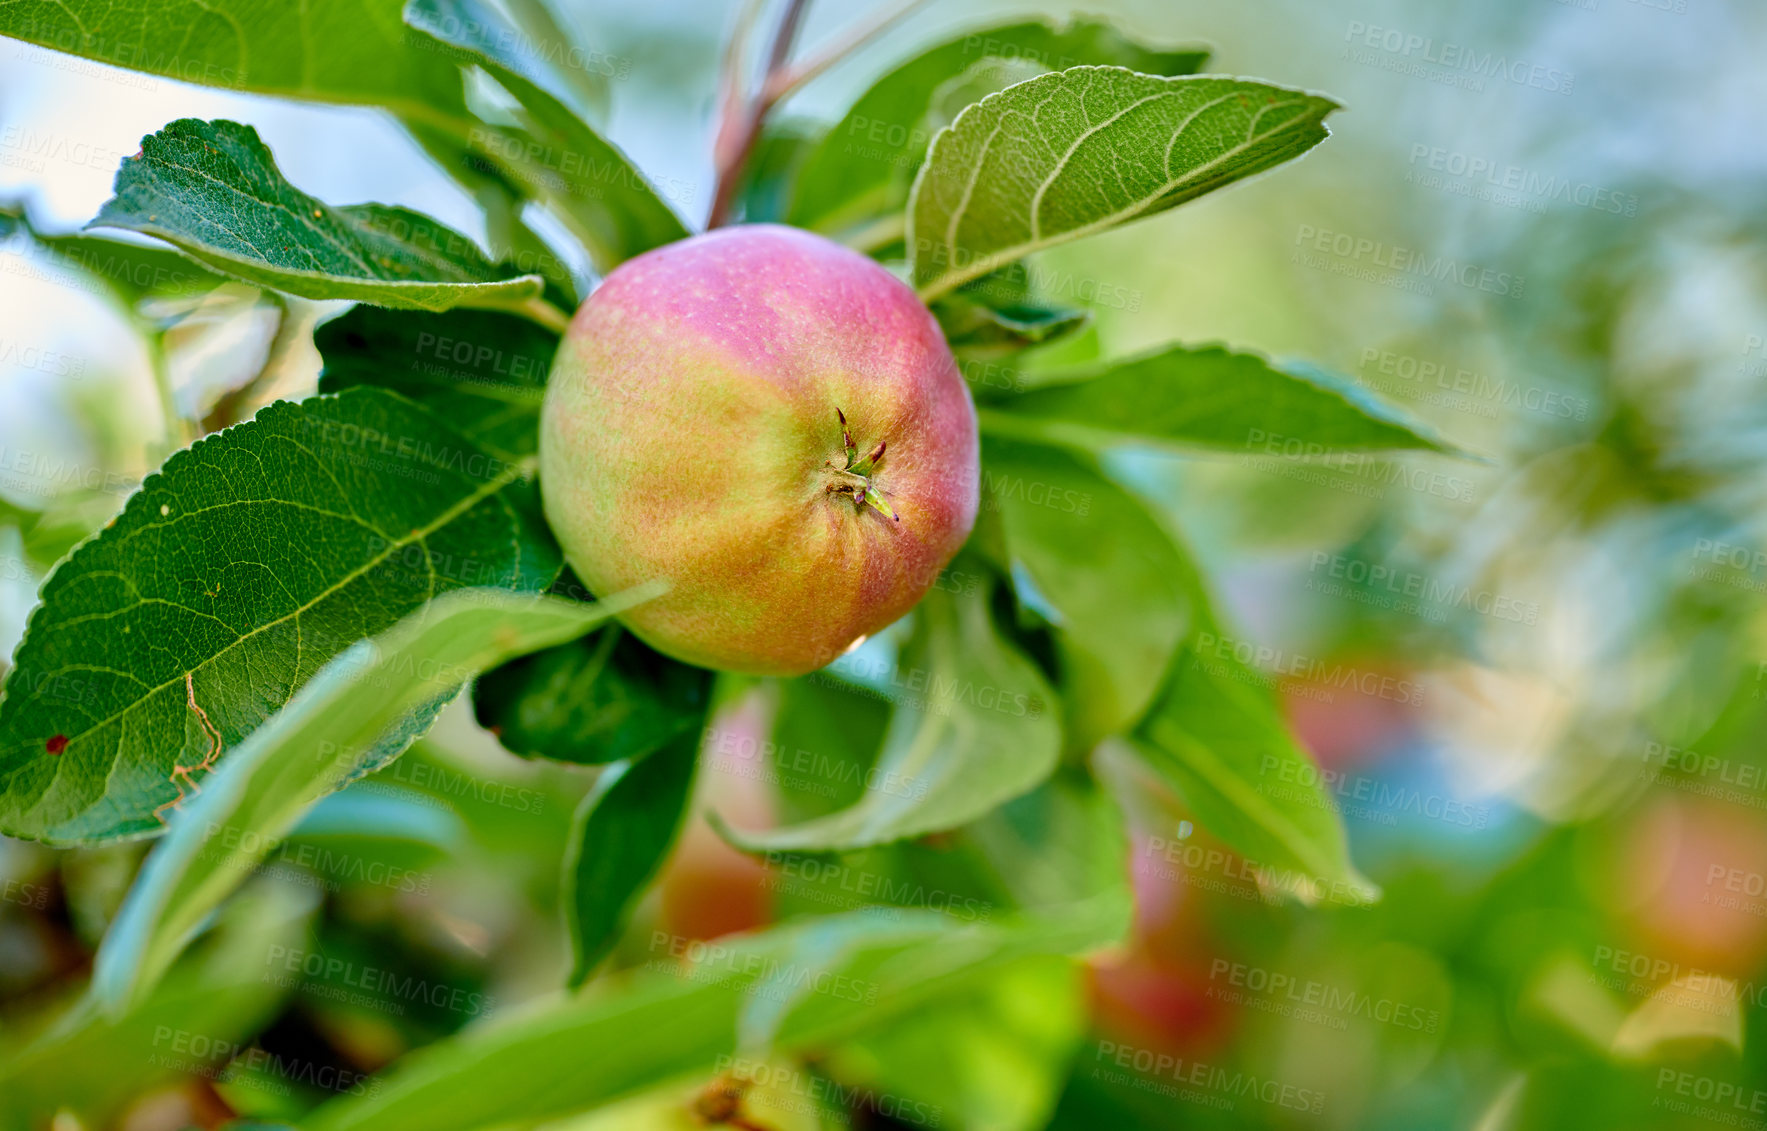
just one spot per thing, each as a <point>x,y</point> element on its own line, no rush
<point>315,744</point>
<point>233,575</point>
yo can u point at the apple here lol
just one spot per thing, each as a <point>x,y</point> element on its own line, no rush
<point>774,425</point>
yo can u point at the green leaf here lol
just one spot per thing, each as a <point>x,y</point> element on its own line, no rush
<point>1217,737</point>
<point>229,579</point>
<point>1207,398</point>
<point>592,186</point>
<point>1077,544</point>
<point>995,1058</point>
<point>481,370</point>
<point>218,991</point>
<point>1069,154</point>
<point>621,834</point>
<point>606,698</point>
<point>212,190</point>
<point>771,171</point>
<point>976,329</point>
<point>512,242</point>
<point>312,747</point>
<point>814,982</point>
<point>973,730</point>
<point>131,271</point>
<point>864,165</point>
<point>826,735</point>
<point>351,51</point>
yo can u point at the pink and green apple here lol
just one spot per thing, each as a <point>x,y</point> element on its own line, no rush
<point>774,425</point>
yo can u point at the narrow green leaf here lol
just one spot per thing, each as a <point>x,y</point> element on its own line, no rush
<point>691,1005</point>
<point>974,729</point>
<point>1068,154</point>
<point>605,698</point>
<point>618,841</point>
<point>1207,398</point>
<point>351,51</point>
<point>310,748</point>
<point>1218,738</point>
<point>1077,543</point>
<point>483,371</point>
<point>230,578</point>
<point>212,190</point>
<point>592,186</point>
<point>864,166</point>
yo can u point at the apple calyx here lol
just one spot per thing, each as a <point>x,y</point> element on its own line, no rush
<point>854,478</point>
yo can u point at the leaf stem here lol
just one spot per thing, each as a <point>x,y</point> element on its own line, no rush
<point>880,233</point>
<point>538,310</point>
<point>742,121</point>
<point>784,82</point>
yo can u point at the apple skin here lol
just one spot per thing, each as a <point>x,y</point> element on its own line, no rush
<point>688,428</point>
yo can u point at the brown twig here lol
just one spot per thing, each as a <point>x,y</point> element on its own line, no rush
<point>786,80</point>
<point>743,118</point>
